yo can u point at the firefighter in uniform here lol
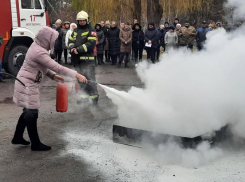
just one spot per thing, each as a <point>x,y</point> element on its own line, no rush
<point>81,45</point>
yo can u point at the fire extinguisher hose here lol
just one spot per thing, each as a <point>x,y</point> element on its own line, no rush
<point>2,73</point>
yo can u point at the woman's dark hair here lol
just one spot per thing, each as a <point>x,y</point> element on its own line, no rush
<point>171,27</point>
<point>136,24</point>
<point>151,24</point>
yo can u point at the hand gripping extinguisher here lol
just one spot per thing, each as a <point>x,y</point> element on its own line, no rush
<point>62,97</point>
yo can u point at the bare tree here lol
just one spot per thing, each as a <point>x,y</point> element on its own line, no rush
<point>137,11</point>
<point>154,11</point>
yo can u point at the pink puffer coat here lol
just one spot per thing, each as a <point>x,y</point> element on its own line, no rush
<point>37,64</point>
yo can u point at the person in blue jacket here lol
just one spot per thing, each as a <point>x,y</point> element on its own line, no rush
<point>201,35</point>
<point>1,42</point>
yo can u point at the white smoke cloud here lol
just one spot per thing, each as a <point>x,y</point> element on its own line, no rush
<point>189,94</point>
<point>239,8</point>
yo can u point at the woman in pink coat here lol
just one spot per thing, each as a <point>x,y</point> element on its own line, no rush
<point>37,64</point>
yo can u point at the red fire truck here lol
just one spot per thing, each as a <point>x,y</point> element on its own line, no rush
<point>20,20</point>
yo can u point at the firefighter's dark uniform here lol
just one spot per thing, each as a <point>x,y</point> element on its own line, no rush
<point>84,39</point>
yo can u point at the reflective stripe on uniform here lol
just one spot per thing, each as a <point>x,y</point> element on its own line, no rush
<point>75,33</point>
<point>71,39</point>
<point>84,96</point>
<point>93,96</point>
<point>87,58</point>
<point>71,44</point>
<point>85,48</point>
<point>92,38</point>
<point>85,33</point>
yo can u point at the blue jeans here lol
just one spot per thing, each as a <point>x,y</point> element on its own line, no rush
<point>1,77</point>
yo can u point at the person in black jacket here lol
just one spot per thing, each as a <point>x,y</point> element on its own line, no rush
<point>160,40</point>
<point>103,27</point>
<point>58,43</point>
<point>114,42</point>
<point>65,30</point>
<point>106,47</point>
<point>138,42</point>
<point>100,45</point>
<point>151,37</point>
<point>176,21</point>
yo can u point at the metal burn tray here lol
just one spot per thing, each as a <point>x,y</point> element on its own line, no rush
<point>134,137</point>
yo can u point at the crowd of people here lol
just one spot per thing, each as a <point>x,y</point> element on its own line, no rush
<point>117,44</point>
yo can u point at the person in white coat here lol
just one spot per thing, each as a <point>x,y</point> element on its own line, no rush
<point>68,34</point>
<point>171,39</point>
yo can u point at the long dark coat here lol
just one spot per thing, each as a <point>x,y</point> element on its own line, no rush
<point>114,41</point>
<point>152,34</point>
<point>101,39</point>
<point>138,38</point>
<point>58,42</point>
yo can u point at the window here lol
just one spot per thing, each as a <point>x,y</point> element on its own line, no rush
<point>27,4</point>
<point>37,4</point>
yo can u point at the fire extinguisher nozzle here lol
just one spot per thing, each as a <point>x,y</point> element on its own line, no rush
<point>92,81</point>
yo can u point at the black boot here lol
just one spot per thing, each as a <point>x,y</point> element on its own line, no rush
<point>31,121</point>
<point>20,128</point>
<point>95,101</point>
<point>126,64</point>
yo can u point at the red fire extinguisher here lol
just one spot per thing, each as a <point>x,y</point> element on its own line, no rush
<point>62,97</point>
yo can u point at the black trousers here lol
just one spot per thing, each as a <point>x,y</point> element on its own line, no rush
<point>87,69</point>
<point>122,55</point>
<point>133,53</point>
<point>200,46</point>
<point>28,119</point>
<point>58,54</point>
<point>95,60</point>
<point>114,59</point>
<point>151,51</point>
<point>100,58</point>
<point>138,52</point>
<point>65,55</point>
<point>107,55</point>
<point>158,52</point>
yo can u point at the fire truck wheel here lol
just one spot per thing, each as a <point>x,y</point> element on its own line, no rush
<point>16,59</point>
